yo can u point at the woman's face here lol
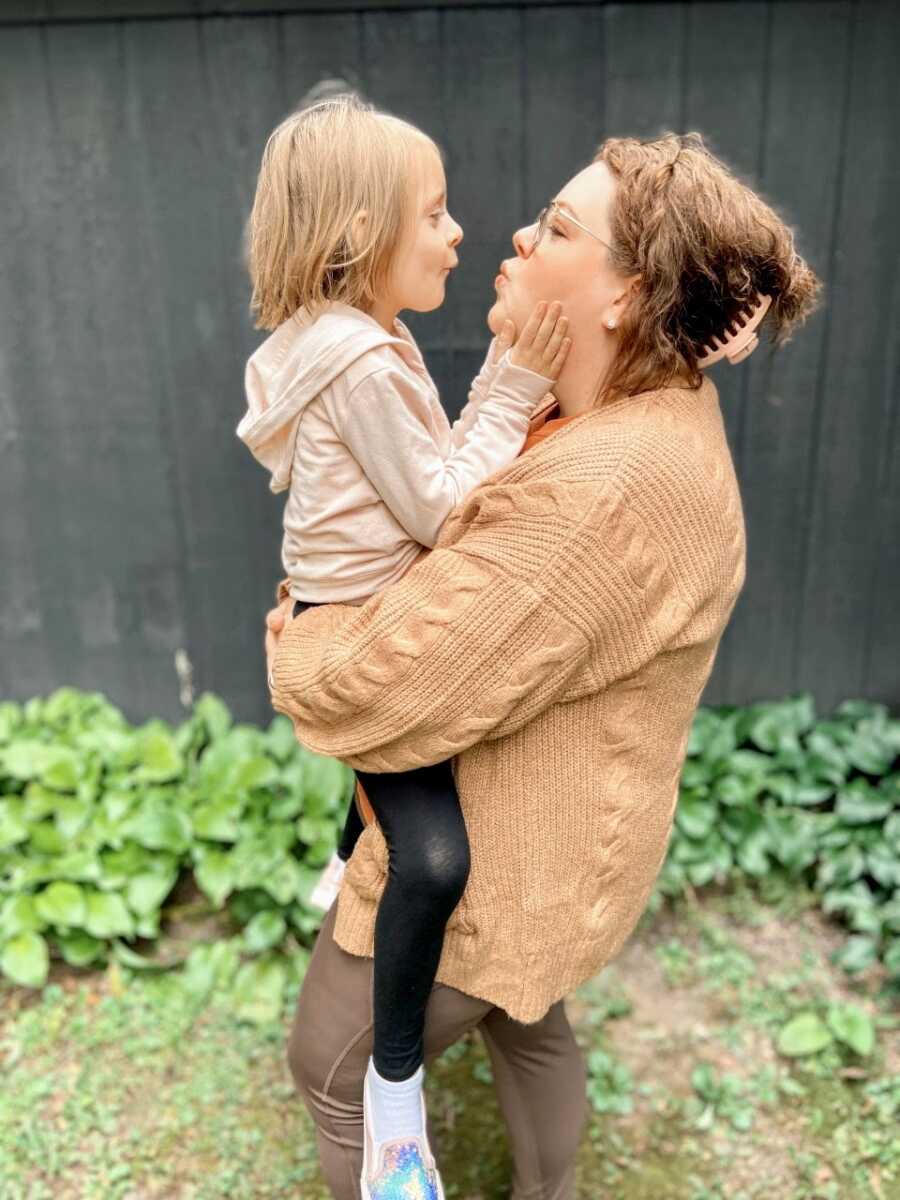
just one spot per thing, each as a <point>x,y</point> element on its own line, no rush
<point>568,264</point>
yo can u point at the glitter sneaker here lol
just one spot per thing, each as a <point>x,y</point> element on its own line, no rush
<point>405,1169</point>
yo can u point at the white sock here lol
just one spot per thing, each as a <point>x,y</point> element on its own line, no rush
<point>395,1108</point>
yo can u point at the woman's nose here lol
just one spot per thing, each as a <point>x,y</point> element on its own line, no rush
<point>456,235</point>
<point>522,240</point>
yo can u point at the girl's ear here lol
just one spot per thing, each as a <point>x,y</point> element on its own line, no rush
<point>358,230</point>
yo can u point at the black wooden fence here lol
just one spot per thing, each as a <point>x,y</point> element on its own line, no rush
<point>135,525</point>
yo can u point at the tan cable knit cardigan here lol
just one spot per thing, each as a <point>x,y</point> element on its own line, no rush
<point>556,641</point>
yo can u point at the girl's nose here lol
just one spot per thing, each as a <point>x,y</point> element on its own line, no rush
<point>456,235</point>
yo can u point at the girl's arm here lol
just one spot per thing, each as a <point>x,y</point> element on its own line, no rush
<point>387,421</point>
<point>478,390</point>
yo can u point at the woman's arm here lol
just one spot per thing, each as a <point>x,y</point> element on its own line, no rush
<point>534,601</point>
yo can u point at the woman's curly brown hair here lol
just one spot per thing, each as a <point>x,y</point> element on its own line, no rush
<point>702,243</point>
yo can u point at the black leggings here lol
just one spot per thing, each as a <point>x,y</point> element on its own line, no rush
<point>428,866</point>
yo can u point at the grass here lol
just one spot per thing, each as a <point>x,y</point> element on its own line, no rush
<point>121,1088</point>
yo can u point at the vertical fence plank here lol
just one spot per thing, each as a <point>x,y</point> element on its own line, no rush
<point>34,647</point>
<point>645,49</point>
<point>800,175</point>
<point>198,166</point>
<point>102,520</point>
<point>725,55</point>
<point>482,81</point>
<point>839,541</point>
<point>395,45</point>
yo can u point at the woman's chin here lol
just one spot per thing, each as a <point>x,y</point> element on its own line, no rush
<point>495,317</point>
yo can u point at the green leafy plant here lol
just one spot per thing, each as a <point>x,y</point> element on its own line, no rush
<point>102,824</point>
<point>770,789</point>
<point>100,821</point>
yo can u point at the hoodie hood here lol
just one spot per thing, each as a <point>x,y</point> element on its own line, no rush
<point>292,366</point>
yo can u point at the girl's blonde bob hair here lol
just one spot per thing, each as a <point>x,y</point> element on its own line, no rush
<point>321,168</point>
<point>702,243</point>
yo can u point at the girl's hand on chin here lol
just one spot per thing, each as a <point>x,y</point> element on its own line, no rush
<point>542,346</point>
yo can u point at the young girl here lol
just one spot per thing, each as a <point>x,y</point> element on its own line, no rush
<point>350,226</point>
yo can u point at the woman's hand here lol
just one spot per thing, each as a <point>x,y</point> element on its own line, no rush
<point>276,619</point>
<point>542,345</point>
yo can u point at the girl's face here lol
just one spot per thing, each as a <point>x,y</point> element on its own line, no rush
<point>427,252</point>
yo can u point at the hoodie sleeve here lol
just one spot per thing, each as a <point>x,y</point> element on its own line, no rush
<point>478,390</point>
<point>386,429</point>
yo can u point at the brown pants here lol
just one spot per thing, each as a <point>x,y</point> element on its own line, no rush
<point>538,1071</point>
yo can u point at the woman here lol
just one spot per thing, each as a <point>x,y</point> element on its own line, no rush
<point>554,644</point>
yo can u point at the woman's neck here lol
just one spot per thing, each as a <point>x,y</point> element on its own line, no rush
<point>579,385</point>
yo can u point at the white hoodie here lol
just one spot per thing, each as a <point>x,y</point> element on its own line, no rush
<point>348,420</point>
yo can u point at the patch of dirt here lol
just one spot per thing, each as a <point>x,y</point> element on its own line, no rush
<point>672,1028</point>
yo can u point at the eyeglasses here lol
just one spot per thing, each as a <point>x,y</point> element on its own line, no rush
<point>552,210</point>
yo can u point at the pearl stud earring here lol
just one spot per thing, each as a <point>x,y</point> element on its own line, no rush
<point>610,324</point>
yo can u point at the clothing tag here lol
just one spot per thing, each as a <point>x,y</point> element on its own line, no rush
<point>325,892</point>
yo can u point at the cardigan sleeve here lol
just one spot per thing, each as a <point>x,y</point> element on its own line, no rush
<point>386,428</point>
<point>482,634</point>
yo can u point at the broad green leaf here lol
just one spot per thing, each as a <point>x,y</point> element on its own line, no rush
<point>159,758</point>
<point>884,866</point>
<point>892,958</point>
<point>703,728</point>
<point>737,790</point>
<point>19,915</point>
<point>215,876</point>
<point>72,816</point>
<point>26,759</point>
<point>214,714</point>
<point>10,719</point>
<point>64,773</point>
<point>45,838</point>
<point>79,949</point>
<point>127,957</point>
<point>852,1026</point>
<point>776,727</point>
<point>871,750</point>
<point>890,913</point>
<point>107,916</point>
<point>146,892</point>
<point>858,803</point>
<point>837,868</point>
<point>264,931</point>
<point>314,829</point>
<point>283,882</point>
<point>696,777</point>
<point>158,826</point>
<point>209,964</point>
<point>61,904</point>
<point>256,772</point>
<point>862,710</point>
<point>218,821</point>
<point>259,991</point>
<point>804,1034</point>
<point>26,960</point>
<point>281,740</point>
<point>695,817</point>
<point>857,954</point>
<point>13,828</point>
<point>326,782</point>
<point>752,854</point>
